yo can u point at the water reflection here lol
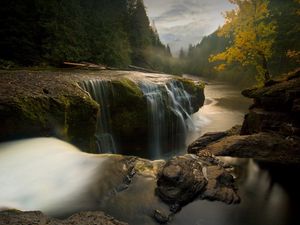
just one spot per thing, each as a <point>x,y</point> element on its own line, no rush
<point>224,108</point>
<point>264,202</point>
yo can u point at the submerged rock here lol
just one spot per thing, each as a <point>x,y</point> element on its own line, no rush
<point>29,218</point>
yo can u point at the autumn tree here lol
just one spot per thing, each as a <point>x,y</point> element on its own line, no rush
<point>293,53</point>
<point>253,33</point>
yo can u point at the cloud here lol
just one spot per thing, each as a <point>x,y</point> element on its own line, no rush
<point>184,22</point>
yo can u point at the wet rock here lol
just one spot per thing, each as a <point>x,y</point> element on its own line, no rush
<point>160,217</point>
<point>220,186</point>
<point>30,218</point>
<point>185,178</point>
<point>181,180</point>
<point>205,140</point>
<point>212,137</point>
<point>262,146</point>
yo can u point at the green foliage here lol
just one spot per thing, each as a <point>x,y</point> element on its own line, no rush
<point>253,35</point>
<point>285,45</point>
<point>111,32</point>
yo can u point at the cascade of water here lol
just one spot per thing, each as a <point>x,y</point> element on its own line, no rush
<point>100,91</point>
<point>156,116</point>
<point>169,109</point>
<point>180,105</point>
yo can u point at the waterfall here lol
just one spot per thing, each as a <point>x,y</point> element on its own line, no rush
<point>169,109</point>
<point>101,91</point>
<point>156,117</point>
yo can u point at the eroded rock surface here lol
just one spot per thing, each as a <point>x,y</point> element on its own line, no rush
<point>30,218</point>
<point>276,107</point>
<point>185,178</point>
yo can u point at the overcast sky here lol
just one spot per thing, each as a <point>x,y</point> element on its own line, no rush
<point>181,22</point>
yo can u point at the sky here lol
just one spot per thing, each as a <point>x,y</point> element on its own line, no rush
<point>184,22</point>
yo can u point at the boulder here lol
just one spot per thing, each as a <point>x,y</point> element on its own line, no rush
<point>184,178</point>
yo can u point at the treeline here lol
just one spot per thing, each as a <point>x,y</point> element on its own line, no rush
<point>284,14</point>
<point>49,32</point>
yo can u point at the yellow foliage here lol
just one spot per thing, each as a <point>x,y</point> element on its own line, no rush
<point>253,35</point>
<point>293,54</point>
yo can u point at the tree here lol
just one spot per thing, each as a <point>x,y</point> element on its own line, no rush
<point>253,34</point>
<point>168,49</point>
<point>182,54</point>
<point>295,53</point>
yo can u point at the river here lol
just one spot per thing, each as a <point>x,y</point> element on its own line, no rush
<point>55,177</point>
<point>224,108</point>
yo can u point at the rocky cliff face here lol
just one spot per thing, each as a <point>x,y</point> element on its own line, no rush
<point>56,103</point>
<point>276,107</point>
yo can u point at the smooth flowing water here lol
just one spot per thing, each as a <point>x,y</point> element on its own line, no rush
<point>50,175</point>
<point>101,91</point>
<point>169,120</point>
<point>224,108</point>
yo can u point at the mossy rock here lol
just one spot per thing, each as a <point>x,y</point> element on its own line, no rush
<point>70,118</point>
<point>129,113</point>
<point>196,91</point>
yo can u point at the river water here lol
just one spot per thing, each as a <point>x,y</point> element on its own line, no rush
<point>224,108</point>
<point>53,176</point>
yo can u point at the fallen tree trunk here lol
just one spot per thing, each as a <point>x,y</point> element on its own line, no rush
<point>84,65</point>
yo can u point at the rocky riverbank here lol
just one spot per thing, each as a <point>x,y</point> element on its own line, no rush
<point>270,131</point>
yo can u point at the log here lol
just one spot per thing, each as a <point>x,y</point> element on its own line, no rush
<point>84,65</point>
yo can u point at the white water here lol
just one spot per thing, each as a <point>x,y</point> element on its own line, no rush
<point>44,174</point>
<point>169,109</point>
<point>100,91</point>
<point>52,176</point>
<point>167,130</point>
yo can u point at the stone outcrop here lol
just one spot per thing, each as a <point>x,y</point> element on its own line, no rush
<point>29,218</point>
<point>275,108</point>
<point>41,103</point>
<point>36,104</point>
<point>270,147</point>
<point>270,131</point>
